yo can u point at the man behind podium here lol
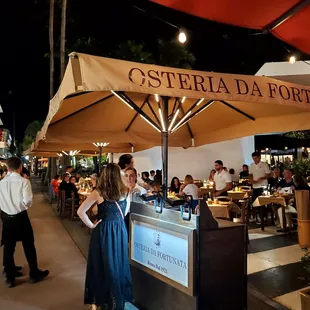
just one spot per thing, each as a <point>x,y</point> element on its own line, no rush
<point>15,199</point>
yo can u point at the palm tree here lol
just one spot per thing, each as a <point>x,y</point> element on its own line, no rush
<point>52,162</point>
<point>63,38</point>
<point>173,54</point>
<point>51,42</point>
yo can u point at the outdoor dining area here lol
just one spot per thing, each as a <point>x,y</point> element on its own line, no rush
<point>140,106</point>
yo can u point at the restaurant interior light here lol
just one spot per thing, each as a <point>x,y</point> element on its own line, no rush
<point>174,118</point>
<point>74,153</point>
<point>286,147</point>
<point>267,149</point>
<point>183,99</point>
<point>150,123</point>
<point>182,37</point>
<point>292,60</point>
<point>59,154</point>
<point>156,98</point>
<point>180,122</point>
<point>65,153</point>
<point>162,120</point>
<point>122,99</point>
<point>102,144</point>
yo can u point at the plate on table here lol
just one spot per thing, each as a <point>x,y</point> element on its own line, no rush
<point>224,203</point>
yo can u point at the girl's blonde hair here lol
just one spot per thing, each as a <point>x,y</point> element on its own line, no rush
<point>188,179</point>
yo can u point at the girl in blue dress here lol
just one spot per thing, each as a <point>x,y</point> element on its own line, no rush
<point>108,279</point>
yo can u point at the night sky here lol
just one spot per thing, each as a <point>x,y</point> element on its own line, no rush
<point>24,44</point>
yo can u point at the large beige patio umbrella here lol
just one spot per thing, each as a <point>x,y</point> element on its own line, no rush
<point>103,99</point>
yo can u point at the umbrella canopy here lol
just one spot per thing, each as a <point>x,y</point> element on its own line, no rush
<point>288,20</point>
<point>90,147</point>
<point>108,100</point>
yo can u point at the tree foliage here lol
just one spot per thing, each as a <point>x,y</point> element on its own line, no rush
<point>305,134</point>
<point>173,54</point>
<point>30,133</point>
<point>164,53</point>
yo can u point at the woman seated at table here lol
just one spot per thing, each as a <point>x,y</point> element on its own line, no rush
<point>175,185</point>
<point>55,184</point>
<point>190,189</point>
<point>211,176</point>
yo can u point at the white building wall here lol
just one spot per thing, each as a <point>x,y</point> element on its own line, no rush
<point>197,161</point>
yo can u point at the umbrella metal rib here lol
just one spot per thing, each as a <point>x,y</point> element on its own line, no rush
<point>136,115</point>
<point>137,109</point>
<point>237,110</point>
<point>153,112</point>
<point>78,111</point>
<point>187,124</point>
<point>286,15</point>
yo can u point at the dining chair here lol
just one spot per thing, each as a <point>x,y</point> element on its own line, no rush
<point>223,198</point>
<point>245,203</point>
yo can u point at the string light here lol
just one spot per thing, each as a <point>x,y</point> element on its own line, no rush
<point>182,37</point>
<point>292,59</point>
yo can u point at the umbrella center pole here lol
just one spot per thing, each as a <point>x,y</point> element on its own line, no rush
<point>100,159</point>
<point>165,102</point>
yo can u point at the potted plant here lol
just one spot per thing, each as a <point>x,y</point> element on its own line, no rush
<point>305,293</point>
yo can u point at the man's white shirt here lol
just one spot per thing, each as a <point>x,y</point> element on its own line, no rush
<point>259,171</point>
<point>221,180</point>
<point>15,194</point>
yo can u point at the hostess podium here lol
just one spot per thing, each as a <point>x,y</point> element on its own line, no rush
<point>187,262</point>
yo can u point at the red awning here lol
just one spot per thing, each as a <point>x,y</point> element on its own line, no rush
<point>289,20</point>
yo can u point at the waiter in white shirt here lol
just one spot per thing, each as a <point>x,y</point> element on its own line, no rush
<point>15,199</point>
<point>222,180</point>
<point>259,173</point>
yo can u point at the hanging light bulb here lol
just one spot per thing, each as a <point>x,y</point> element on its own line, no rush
<point>292,59</point>
<point>182,37</point>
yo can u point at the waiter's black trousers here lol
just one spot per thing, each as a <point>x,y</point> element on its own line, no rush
<point>8,257</point>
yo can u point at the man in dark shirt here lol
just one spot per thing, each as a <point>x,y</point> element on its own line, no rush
<point>244,174</point>
<point>65,185</point>
<point>287,182</point>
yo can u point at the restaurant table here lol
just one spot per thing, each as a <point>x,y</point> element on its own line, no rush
<point>266,200</point>
<point>238,195</point>
<point>223,209</point>
<point>84,194</point>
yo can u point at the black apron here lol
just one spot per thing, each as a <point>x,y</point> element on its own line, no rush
<point>16,228</point>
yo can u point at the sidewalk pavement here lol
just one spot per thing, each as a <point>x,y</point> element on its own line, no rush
<point>64,288</point>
